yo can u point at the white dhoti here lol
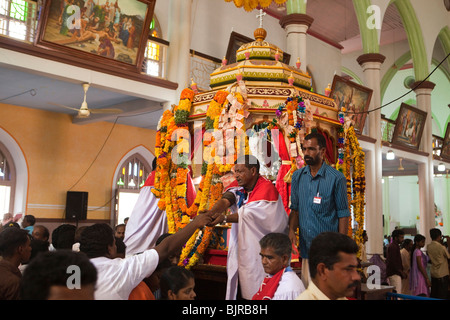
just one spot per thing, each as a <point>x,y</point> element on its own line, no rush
<point>262,214</point>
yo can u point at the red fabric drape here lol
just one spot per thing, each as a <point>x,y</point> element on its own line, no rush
<point>283,188</point>
<point>330,154</point>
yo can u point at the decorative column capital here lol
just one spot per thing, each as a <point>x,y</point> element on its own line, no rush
<point>370,57</point>
<point>296,18</point>
<point>424,85</point>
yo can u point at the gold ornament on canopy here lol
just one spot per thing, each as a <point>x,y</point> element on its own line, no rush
<point>250,5</point>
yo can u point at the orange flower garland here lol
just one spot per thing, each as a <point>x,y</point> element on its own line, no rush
<point>213,111</point>
<point>209,191</point>
<point>162,159</point>
<point>250,5</point>
<point>171,179</point>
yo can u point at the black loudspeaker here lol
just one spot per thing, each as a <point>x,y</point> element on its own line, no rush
<point>76,205</point>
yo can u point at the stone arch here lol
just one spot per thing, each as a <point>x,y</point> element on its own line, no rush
<point>369,36</point>
<point>21,168</point>
<point>415,38</point>
<point>146,154</point>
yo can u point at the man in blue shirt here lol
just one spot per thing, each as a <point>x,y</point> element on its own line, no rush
<point>318,199</point>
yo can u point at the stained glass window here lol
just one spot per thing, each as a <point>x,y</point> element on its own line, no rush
<point>133,174</point>
<point>153,53</point>
<point>7,181</point>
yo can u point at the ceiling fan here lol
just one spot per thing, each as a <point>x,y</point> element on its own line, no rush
<point>84,111</point>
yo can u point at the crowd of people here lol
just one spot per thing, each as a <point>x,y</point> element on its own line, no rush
<point>139,259</point>
<point>412,270</point>
<point>33,268</point>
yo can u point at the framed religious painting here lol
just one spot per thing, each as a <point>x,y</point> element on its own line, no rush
<point>108,33</point>
<point>354,98</point>
<point>445,151</point>
<point>235,42</point>
<point>409,126</point>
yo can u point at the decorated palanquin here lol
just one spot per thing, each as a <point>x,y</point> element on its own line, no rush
<point>260,106</point>
<point>275,96</point>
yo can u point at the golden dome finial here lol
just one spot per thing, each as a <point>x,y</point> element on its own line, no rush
<point>260,34</point>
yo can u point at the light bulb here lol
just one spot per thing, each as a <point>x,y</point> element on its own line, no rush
<point>390,155</point>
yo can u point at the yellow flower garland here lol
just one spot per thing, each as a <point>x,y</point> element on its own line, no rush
<point>206,197</point>
<point>250,5</point>
<point>162,159</point>
<point>170,179</point>
<point>356,183</point>
<point>212,187</point>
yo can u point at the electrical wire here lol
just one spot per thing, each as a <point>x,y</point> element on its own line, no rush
<point>117,118</point>
<point>31,91</point>
<point>98,154</point>
<point>411,90</point>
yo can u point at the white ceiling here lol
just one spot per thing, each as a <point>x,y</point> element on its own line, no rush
<point>33,90</point>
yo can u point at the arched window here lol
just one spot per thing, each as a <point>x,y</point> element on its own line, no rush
<point>132,175</point>
<point>7,181</point>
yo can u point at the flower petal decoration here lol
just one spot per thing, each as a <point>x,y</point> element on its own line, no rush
<point>250,5</point>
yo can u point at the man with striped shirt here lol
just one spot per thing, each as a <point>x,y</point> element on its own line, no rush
<point>318,199</point>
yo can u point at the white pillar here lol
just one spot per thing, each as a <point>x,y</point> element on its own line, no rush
<point>426,170</point>
<point>371,64</point>
<point>296,26</point>
<point>374,206</point>
<point>179,36</point>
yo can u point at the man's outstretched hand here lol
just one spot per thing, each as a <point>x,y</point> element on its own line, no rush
<point>202,219</point>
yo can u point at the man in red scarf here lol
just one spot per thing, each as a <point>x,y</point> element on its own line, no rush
<point>281,282</point>
<point>257,209</point>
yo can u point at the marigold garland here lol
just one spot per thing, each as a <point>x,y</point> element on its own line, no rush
<point>359,183</point>
<point>213,111</point>
<point>162,158</point>
<point>210,189</point>
<point>213,169</point>
<point>171,175</point>
<point>351,164</point>
<point>250,5</point>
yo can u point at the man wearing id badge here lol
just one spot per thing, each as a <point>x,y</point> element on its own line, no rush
<point>318,199</point>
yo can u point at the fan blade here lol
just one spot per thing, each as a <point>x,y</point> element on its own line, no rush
<point>105,110</point>
<point>63,106</point>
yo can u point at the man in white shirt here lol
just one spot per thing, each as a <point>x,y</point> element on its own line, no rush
<point>118,277</point>
<point>281,282</point>
<point>333,268</point>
